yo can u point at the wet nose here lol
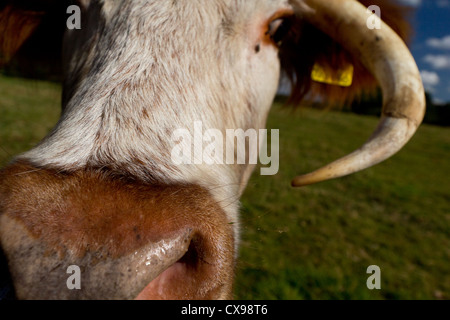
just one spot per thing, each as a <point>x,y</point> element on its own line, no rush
<point>129,239</point>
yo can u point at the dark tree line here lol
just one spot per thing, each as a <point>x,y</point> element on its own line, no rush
<point>437,114</point>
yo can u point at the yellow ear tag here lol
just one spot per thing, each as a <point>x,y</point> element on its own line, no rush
<point>342,77</point>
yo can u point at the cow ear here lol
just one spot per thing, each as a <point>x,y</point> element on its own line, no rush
<point>17,24</point>
<point>84,4</point>
<point>320,67</point>
<point>32,32</point>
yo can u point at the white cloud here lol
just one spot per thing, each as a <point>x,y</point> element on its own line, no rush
<point>443,3</point>
<point>443,43</point>
<point>438,61</point>
<point>412,3</point>
<point>438,101</point>
<point>430,79</point>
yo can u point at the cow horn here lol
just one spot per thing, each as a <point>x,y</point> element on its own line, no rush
<point>389,60</point>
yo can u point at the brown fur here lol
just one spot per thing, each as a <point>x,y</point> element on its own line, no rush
<point>16,26</point>
<point>306,45</point>
<point>56,216</point>
<point>89,212</point>
<point>31,36</point>
<point>302,48</point>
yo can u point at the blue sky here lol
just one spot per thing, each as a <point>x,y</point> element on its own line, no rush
<point>431,45</point>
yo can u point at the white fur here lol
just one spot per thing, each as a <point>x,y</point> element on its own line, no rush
<point>173,61</point>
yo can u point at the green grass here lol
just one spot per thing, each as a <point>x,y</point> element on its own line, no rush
<point>28,110</point>
<point>315,242</point>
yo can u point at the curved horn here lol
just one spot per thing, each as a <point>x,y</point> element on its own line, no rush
<point>387,57</point>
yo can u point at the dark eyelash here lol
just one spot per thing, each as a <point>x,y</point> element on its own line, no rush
<point>278,29</point>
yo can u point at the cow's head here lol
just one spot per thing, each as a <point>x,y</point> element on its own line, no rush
<point>101,191</point>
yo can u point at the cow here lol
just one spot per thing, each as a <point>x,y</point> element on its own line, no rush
<point>101,192</point>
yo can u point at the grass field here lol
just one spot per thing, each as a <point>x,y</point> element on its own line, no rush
<point>315,242</point>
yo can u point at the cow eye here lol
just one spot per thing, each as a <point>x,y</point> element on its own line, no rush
<point>278,30</point>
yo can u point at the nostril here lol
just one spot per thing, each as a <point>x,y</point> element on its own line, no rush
<point>175,240</point>
<point>183,279</point>
<point>191,258</point>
